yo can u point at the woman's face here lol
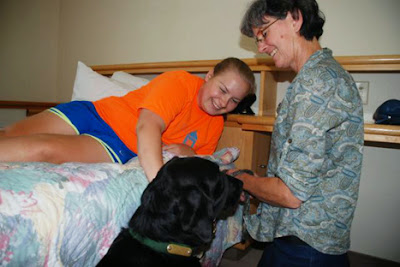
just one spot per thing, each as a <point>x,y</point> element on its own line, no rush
<point>278,38</point>
<point>221,93</point>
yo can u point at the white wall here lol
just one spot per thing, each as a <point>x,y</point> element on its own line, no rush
<point>42,40</point>
<point>29,49</point>
<point>126,31</point>
<point>376,223</point>
<point>361,27</point>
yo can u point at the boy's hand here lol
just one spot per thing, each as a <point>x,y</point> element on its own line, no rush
<point>179,149</point>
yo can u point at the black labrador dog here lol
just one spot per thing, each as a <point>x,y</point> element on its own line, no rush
<point>176,219</point>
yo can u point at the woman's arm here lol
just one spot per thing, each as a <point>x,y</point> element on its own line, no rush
<point>149,129</point>
<point>271,190</point>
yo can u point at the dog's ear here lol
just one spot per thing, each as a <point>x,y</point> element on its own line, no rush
<point>194,213</point>
<point>229,192</point>
<point>149,196</point>
<point>157,193</point>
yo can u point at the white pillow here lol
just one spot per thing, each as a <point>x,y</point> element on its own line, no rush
<point>91,86</point>
<point>129,79</point>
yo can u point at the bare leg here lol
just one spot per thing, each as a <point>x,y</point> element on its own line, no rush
<point>54,148</point>
<point>47,137</point>
<point>44,122</point>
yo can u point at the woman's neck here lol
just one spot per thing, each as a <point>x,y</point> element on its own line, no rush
<point>304,51</point>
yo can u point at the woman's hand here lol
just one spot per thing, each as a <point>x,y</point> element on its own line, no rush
<point>240,176</point>
<point>179,149</point>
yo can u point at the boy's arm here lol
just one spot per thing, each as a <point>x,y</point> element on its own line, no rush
<point>149,128</point>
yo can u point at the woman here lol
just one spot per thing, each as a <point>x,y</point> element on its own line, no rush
<point>176,111</point>
<point>309,194</point>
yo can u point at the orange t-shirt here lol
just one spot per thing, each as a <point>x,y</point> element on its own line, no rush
<point>172,96</point>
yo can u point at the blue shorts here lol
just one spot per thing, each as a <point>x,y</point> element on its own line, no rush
<point>83,117</point>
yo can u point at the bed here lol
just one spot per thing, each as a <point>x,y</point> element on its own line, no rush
<point>69,214</point>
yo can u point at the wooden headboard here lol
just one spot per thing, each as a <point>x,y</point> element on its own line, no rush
<point>268,86</point>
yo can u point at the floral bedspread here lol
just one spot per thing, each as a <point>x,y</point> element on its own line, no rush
<point>69,214</point>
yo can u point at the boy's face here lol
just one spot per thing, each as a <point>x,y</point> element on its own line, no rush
<point>221,93</point>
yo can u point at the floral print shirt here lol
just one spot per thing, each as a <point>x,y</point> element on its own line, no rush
<point>316,150</point>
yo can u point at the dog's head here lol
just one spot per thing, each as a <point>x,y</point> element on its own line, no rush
<point>183,201</point>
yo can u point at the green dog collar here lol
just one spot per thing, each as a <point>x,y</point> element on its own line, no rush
<point>164,247</point>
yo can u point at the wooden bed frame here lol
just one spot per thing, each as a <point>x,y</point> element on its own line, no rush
<point>268,83</point>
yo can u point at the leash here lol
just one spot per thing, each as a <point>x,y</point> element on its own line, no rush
<point>163,247</point>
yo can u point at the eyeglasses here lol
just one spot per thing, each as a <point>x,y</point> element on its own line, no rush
<point>263,33</point>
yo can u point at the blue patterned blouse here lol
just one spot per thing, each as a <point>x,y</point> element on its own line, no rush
<point>316,150</point>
